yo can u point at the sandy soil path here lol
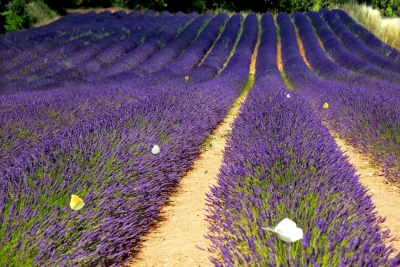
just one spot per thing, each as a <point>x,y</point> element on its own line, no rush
<point>178,238</point>
<point>385,196</point>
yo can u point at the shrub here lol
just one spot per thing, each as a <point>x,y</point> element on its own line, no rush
<point>22,14</point>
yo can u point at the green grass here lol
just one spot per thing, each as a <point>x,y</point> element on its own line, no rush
<point>207,142</point>
<point>386,29</point>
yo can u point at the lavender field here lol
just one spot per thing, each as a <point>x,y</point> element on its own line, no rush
<point>84,100</point>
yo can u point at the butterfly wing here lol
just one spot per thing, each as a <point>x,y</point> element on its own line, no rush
<point>156,149</point>
<point>76,202</point>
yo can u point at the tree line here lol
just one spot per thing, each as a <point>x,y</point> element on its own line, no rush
<point>20,14</point>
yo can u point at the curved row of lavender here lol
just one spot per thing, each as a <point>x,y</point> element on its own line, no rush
<point>191,57</point>
<point>368,111</point>
<point>163,57</point>
<point>280,162</point>
<point>64,49</point>
<point>16,42</point>
<point>355,46</point>
<point>68,21</point>
<point>146,27</point>
<point>33,51</point>
<point>189,63</point>
<point>367,37</point>
<point>343,57</point>
<point>366,117</point>
<point>328,69</point>
<point>53,73</point>
<point>22,115</point>
<point>149,49</point>
<point>58,48</point>
<point>96,143</point>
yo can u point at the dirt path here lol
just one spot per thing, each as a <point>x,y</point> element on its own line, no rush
<point>385,196</point>
<point>178,238</point>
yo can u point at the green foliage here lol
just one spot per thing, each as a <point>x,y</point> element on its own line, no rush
<point>38,12</point>
<point>230,6</point>
<point>22,14</point>
<point>199,6</point>
<point>388,8</point>
<point>157,5</point>
<point>15,16</point>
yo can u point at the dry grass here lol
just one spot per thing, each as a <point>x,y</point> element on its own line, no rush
<point>386,29</point>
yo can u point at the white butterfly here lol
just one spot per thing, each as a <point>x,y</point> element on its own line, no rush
<point>287,230</point>
<point>288,95</point>
<point>155,150</point>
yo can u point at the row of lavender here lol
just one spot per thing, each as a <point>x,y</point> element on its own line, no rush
<point>117,62</point>
<point>85,36</point>
<point>282,162</point>
<point>69,26</point>
<point>101,50</point>
<point>363,109</point>
<point>367,37</point>
<point>22,115</point>
<point>96,142</point>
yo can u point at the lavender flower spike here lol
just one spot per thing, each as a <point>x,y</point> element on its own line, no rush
<point>287,230</point>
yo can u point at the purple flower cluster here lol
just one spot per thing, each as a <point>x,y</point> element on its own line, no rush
<point>367,37</point>
<point>280,162</point>
<point>365,116</point>
<point>95,54</point>
<point>168,52</point>
<point>188,60</point>
<point>355,46</point>
<point>328,69</point>
<point>46,37</point>
<point>149,47</point>
<point>69,43</point>
<point>95,141</point>
<point>346,59</point>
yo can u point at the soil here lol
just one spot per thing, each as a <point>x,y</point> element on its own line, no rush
<point>97,10</point>
<point>385,196</point>
<point>178,238</point>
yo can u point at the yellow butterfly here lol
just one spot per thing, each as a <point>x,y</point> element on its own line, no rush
<point>326,105</point>
<point>187,78</point>
<point>76,202</point>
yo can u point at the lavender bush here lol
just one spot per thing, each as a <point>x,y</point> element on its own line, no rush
<point>61,47</point>
<point>282,162</point>
<point>343,57</point>
<point>354,45</point>
<point>367,37</point>
<point>328,69</point>
<point>96,142</point>
<point>92,129</point>
<point>367,118</point>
